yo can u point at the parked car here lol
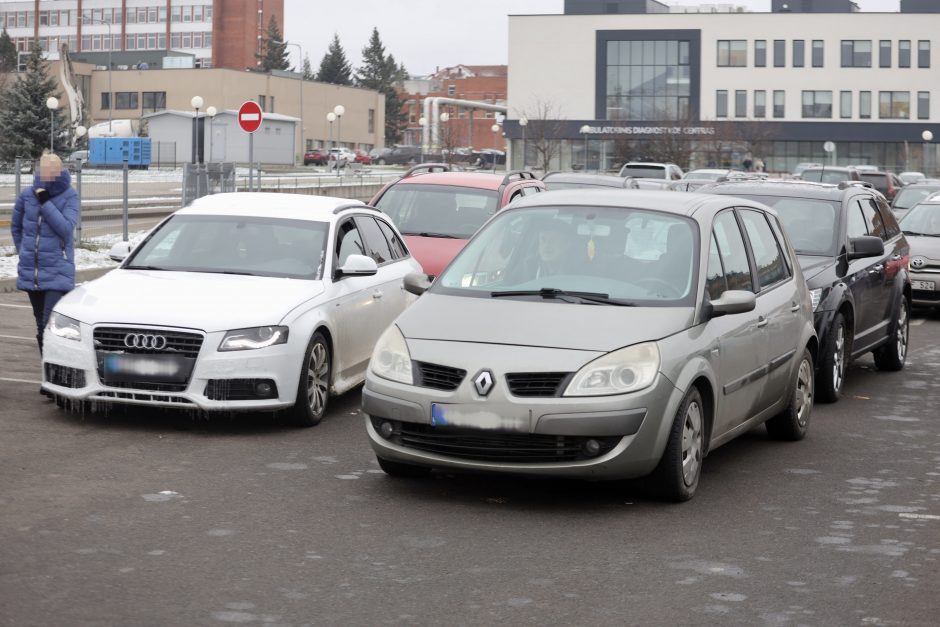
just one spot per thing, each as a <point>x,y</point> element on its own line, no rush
<point>708,174</point>
<point>438,209</point>
<point>581,180</point>
<point>911,177</point>
<point>375,153</point>
<point>854,257</point>
<point>798,170</point>
<point>598,335</point>
<point>242,301</point>
<point>885,182</point>
<point>921,226</point>
<point>643,169</point>
<point>911,195</point>
<point>317,156</point>
<point>363,158</point>
<point>79,155</point>
<point>342,154</point>
<point>400,155</point>
<point>830,174</point>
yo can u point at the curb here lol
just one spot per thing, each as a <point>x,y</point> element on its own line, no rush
<point>9,285</point>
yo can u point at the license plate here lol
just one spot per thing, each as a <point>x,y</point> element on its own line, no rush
<point>923,285</point>
<point>475,418</point>
<point>124,368</point>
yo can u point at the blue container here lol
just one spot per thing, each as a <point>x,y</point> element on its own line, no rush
<point>104,152</point>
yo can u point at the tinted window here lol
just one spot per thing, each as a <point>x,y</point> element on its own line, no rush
<point>397,246</point>
<point>770,266</point>
<point>438,209</point>
<point>878,181</point>
<point>733,253</point>
<point>715,283</point>
<point>778,233</point>
<point>376,244</point>
<point>887,217</point>
<point>855,221</point>
<point>873,220</point>
<point>810,223</point>
<point>645,171</point>
<point>348,242</point>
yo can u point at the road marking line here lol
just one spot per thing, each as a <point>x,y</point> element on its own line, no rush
<point>20,381</point>
<point>920,516</point>
<point>16,306</point>
<point>17,337</point>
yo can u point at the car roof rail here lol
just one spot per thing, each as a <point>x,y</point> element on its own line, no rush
<point>549,173</point>
<point>346,206</point>
<point>848,184</point>
<point>427,168</point>
<point>521,174</point>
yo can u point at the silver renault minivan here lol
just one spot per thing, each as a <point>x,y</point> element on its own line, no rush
<point>602,334</point>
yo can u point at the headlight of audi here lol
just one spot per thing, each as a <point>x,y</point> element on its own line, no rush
<point>64,327</point>
<point>252,339</point>
<point>391,359</point>
<point>626,370</point>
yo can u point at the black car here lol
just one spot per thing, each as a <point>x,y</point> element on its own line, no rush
<point>400,155</point>
<point>830,174</point>
<point>855,260</point>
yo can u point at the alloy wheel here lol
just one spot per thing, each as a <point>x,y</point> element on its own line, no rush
<point>903,331</point>
<point>838,359</point>
<point>804,392</point>
<point>317,371</point>
<point>691,443</point>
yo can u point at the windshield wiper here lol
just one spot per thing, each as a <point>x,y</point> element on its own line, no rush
<point>552,292</point>
<point>235,272</point>
<point>147,268</point>
<point>429,234</point>
<point>916,234</point>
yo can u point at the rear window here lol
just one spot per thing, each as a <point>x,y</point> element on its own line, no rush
<point>825,176</point>
<point>643,171</point>
<point>878,181</point>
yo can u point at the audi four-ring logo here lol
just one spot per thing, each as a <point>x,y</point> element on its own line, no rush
<point>142,340</point>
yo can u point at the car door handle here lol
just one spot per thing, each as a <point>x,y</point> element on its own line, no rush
<point>762,322</point>
<point>377,294</point>
<point>794,307</point>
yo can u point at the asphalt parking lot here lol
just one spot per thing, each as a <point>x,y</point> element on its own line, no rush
<point>138,517</point>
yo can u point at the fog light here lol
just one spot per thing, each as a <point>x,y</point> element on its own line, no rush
<point>263,390</point>
<point>386,430</point>
<point>591,448</point>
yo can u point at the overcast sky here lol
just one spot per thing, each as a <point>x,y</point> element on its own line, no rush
<point>425,34</point>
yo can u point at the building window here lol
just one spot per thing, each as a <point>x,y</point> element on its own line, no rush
<point>648,80</point>
<point>105,100</point>
<point>904,53</point>
<point>845,104</point>
<point>760,53</point>
<point>923,54</point>
<point>799,50</point>
<point>721,103</point>
<point>894,105</point>
<point>856,53</point>
<point>818,48</point>
<point>760,103</point>
<point>780,53</point>
<point>125,100</point>
<point>740,103</point>
<point>884,53</point>
<point>271,104</point>
<point>262,102</point>
<point>864,105</point>
<point>779,104</point>
<point>817,104</point>
<point>732,53</point>
<point>451,90</point>
<point>154,101</point>
<point>371,118</point>
<point>923,105</point>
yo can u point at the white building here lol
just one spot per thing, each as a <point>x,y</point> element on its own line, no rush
<point>772,86</point>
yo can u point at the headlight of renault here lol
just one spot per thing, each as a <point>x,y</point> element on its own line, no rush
<point>64,327</point>
<point>391,359</point>
<point>816,296</point>
<point>251,339</point>
<point>625,370</point>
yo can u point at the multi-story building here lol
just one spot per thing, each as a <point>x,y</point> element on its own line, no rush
<point>216,33</point>
<point>630,76</point>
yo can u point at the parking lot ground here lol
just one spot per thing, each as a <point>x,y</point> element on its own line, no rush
<point>154,518</point>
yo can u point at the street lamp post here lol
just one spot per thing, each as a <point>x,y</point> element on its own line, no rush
<point>523,122</point>
<point>197,103</point>
<point>110,65</point>
<point>495,128</point>
<point>339,110</point>
<point>331,117</point>
<point>927,136</point>
<point>584,131</point>
<point>211,112</point>
<point>421,122</point>
<point>300,75</point>
<point>52,103</point>
<point>447,138</point>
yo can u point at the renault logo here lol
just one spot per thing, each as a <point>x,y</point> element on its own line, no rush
<point>142,340</point>
<point>483,382</point>
<point>918,262</point>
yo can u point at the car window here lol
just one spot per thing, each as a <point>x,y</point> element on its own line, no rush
<point>348,242</point>
<point>443,210</point>
<point>376,244</point>
<point>878,181</point>
<point>781,241</point>
<point>873,219</point>
<point>397,246</point>
<point>887,217</point>
<point>909,197</point>
<point>770,267</point>
<point>733,252</point>
<point>715,283</point>
<point>855,220</point>
<point>642,171</point>
<point>530,190</point>
<point>810,223</point>
<point>922,220</point>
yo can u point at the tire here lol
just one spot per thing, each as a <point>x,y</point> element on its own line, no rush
<point>833,361</point>
<point>382,162</point>
<point>313,387</point>
<point>891,356</point>
<point>677,474</point>
<point>398,469</point>
<point>792,423</point>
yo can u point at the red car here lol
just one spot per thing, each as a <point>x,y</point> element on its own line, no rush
<point>438,210</point>
<point>317,156</point>
<point>363,158</point>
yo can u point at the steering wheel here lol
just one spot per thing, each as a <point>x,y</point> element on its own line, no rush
<point>658,286</point>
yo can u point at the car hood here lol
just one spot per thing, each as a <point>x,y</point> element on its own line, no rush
<point>434,253</point>
<point>812,265</point>
<point>598,328</point>
<point>211,302</point>
<point>922,246</point>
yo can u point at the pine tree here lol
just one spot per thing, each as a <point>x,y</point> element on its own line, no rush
<point>383,73</point>
<point>335,68</point>
<point>24,118</point>
<point>307,69</point>
<point>8,54</point>
<point>274,51</point>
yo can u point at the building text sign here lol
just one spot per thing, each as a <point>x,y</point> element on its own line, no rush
<point>650,130</point>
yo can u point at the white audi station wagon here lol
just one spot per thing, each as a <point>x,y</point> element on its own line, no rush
<point>238,302</point>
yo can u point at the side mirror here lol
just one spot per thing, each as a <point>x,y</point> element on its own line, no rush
<point>359,265</point>
<point>865,246</point>
<point>416,283</point>
<point>120,251</point>
<point>733,302</point>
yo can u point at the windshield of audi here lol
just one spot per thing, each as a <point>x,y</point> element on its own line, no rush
<point>447,211</point>
<point>580,255</point>
<point>254,246</point>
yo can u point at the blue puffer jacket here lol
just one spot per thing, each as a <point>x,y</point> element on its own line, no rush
<point>42,234</point>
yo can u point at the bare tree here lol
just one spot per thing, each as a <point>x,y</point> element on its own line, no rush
<point>544,132</point>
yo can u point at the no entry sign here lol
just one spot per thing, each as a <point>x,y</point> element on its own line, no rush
<point>249,116</point>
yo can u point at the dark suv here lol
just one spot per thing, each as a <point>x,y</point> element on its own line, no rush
<point>855,260</point>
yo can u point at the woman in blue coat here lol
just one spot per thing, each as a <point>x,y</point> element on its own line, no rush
<point>44,219</point>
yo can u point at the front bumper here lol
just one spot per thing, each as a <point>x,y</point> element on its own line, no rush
<point>75,375</point>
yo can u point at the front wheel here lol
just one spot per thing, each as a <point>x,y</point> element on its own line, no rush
<point>677,474</point>
<point>892,355</point>
<point>793,422</point>
<point>834,360</point>
<point>313,389</point>
<point>382,162</point>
